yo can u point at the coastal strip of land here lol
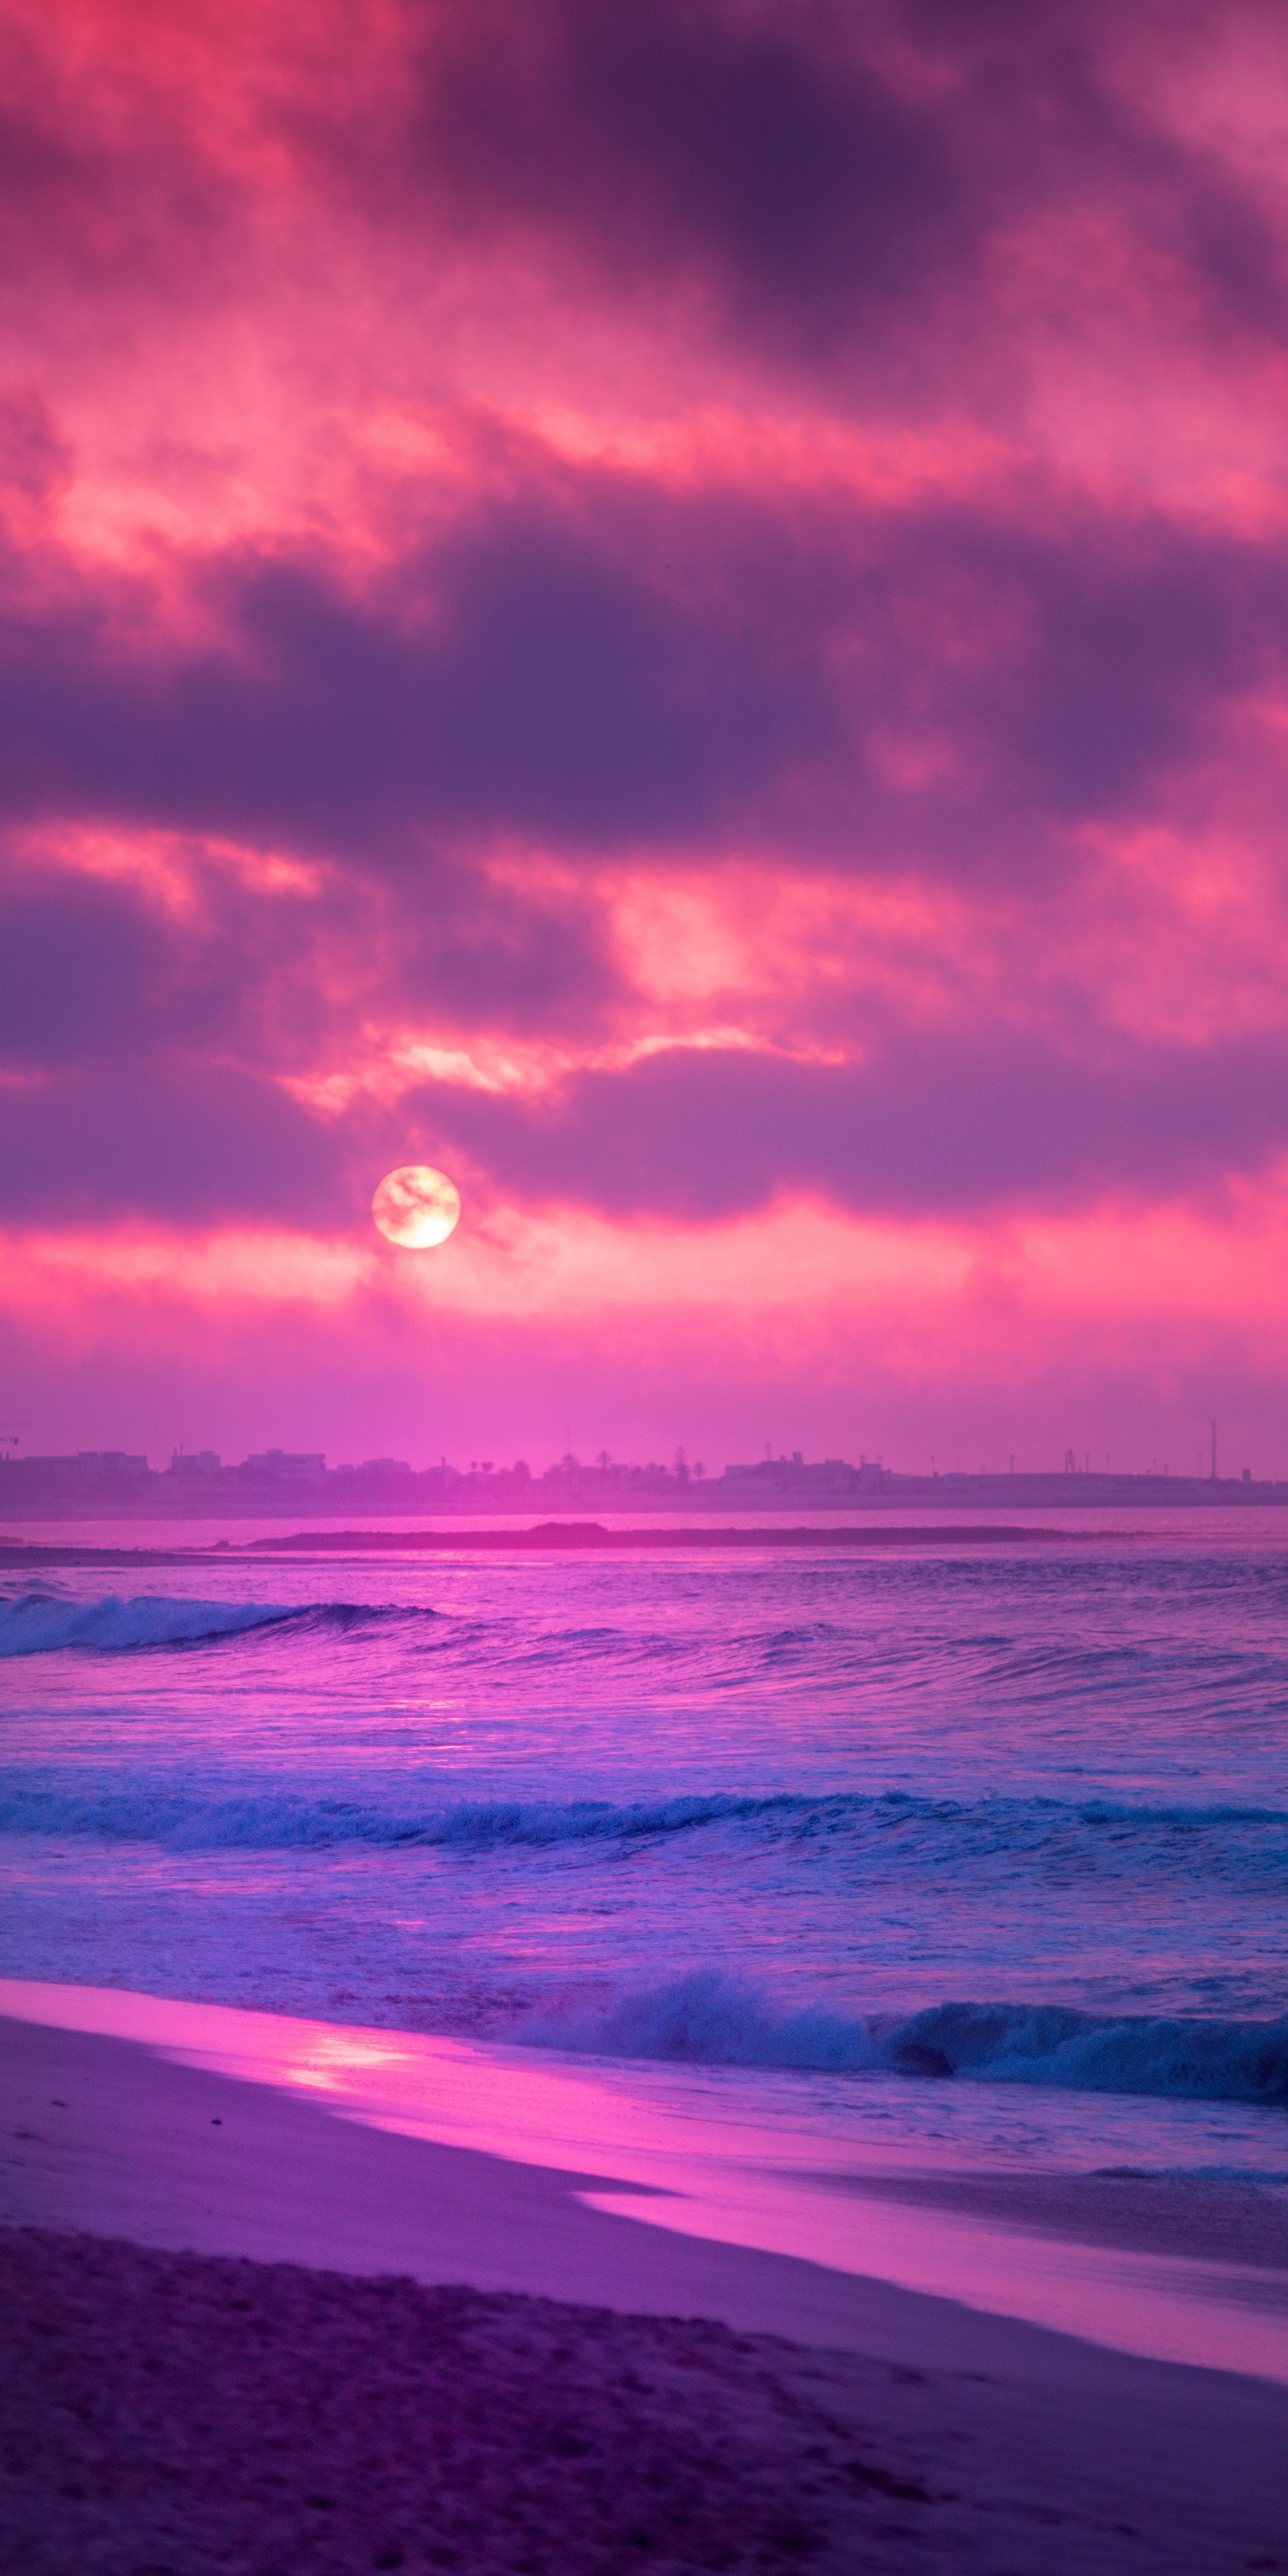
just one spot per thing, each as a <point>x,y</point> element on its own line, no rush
<point>17,1554</point>
<point>243,2332</point>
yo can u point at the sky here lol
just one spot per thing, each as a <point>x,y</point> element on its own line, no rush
<point>679,612</point>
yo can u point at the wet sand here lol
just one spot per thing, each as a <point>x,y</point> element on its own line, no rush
<point>586,2395</point>
<point>1217,2220</point>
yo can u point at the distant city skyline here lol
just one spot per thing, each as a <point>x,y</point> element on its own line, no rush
<point>271,1482</point>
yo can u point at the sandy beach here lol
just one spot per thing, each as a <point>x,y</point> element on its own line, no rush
<point>169,2409</point>
<point>246,2333</point>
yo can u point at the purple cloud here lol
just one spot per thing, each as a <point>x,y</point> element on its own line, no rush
<point>935,1124</point>
<point>630,668</point>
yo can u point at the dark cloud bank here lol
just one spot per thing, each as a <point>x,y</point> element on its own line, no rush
<point>837,176</point>
<point>625,671</point>
<point>946,1126</point>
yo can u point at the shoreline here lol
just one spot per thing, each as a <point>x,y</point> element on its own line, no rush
<point>113,2137</point>
<point>1163,2264</point>
<point>1058,2453</point>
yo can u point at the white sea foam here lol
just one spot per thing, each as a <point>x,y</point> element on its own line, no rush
<point>706,2019</point>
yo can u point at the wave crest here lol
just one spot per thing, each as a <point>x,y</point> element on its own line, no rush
<point>40,1623</point>
<point>225,1813</point>
<point>45,1623</point>
<point>1200,2061</point>
<point>706,2018</point>
<point>265,1818</point>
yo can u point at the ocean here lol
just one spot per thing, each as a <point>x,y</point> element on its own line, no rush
<point>989,1841</point>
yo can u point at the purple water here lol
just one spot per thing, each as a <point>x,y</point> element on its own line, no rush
<point>1014,1816</point>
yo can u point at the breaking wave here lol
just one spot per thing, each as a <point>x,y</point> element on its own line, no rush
<point>39,1623</point>
<point>885,1832</point>
<point>45,1623</point>
<point>271,1819</point>
<point>709,2019</point>
<point>224,1814</point>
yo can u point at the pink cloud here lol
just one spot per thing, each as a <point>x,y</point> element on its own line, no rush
<point>683,612</point>
<point>802,1330</point>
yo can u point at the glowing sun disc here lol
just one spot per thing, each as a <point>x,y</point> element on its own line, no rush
<point>417,1206</point>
